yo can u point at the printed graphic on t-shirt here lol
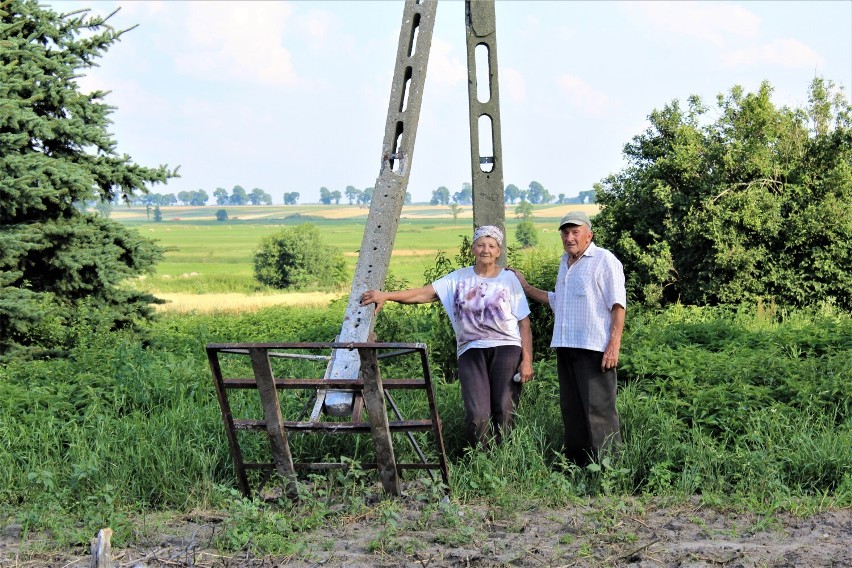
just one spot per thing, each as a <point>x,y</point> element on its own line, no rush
<point>483,310</point>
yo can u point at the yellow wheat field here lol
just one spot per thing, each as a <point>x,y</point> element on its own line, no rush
<point>240,303</point>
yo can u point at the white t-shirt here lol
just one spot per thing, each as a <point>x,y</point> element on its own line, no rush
<point>484,311</point>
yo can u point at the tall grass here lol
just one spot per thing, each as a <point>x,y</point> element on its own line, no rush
<point>729,404</point>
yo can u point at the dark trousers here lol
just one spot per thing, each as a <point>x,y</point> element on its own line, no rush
<point>488,391</point>
<point>587,402</point>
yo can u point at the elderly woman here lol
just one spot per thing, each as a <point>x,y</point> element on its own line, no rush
<point>490,317</point>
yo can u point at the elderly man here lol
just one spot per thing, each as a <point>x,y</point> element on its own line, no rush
<point>589,307</point>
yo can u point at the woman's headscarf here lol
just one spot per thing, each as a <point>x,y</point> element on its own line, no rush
<point>489,231</point>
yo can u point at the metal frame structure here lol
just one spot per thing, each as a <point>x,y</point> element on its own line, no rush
<point>371,394</point>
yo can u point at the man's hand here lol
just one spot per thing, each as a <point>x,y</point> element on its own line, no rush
<point>531,291</point>
<point>610,359</point>
<point>520,276</point>
<point>610,356</point>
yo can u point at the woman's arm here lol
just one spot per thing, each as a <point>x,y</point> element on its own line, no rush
<point>422,295</point>
<point>526,369</point>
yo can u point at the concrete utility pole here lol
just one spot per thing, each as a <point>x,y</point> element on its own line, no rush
<point>412,57</point>
<point>483,95</point>
<point>415,41</point>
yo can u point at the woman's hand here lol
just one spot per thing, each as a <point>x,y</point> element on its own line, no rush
<point>526,371</point>
<point>374,297</point>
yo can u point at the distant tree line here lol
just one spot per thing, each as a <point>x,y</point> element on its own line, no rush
<point>355,196</point>
<point>535,194</point>
<point>237,196</point>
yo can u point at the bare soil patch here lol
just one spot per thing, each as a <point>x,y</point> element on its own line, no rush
<point>623,533</point>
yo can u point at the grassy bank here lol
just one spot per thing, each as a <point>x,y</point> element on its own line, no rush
<point>737,406</point>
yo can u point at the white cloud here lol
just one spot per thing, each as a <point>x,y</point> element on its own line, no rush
<point>320,25</point>
<point>789,53</point>
<point>139,9</point>
<point>445,70</point>
<point>583,95</point>
<point>128,95</point>
<point>238,40</point>
<point>713,22</point>
<point>512,85</point>
<point>133,97</point>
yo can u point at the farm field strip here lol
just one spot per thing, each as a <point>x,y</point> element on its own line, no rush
<point>199,248</point>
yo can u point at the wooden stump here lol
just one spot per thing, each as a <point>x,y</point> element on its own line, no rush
<point>101,549</point>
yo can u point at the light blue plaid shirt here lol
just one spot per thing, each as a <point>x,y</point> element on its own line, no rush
<point>584,297</point>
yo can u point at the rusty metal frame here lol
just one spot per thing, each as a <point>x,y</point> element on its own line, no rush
<point>368,388</point>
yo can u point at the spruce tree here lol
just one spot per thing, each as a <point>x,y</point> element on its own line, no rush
<point>62,269</point>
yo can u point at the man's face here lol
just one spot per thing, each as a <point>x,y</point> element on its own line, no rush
<point>575,239</point>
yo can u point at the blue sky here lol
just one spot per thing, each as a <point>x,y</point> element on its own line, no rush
<point>292,96</point>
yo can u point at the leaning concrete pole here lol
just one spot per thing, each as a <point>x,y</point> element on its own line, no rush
<point>486,150</point>
<point>415,40</point>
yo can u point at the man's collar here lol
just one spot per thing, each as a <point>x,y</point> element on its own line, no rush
<point>590,251</point>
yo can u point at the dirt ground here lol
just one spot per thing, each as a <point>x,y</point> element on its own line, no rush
<point>613,534</point>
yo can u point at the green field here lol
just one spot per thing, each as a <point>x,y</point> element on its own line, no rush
<point>204,255</point>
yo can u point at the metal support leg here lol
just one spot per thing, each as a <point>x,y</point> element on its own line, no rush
<point>281,456</point>
<point>374,399</point>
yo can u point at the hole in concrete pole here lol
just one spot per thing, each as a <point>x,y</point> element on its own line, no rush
<point>483,73</point>
<point>394,162</point>
<point>486,144</point>
<point>406,82</point>
<point>415,32</point>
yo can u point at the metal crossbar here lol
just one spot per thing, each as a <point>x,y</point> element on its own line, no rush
<point>369,391</point>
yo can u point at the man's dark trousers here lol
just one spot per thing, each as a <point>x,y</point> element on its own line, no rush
<point>587,401</point>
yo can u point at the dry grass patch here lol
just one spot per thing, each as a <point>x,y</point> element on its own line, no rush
<point>232,302</point>
<point>336,212</point>
<point>403,252</point>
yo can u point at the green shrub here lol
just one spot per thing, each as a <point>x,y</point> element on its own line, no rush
<point>526,234</point>
<point>701,214</point>
<point>298,257</point>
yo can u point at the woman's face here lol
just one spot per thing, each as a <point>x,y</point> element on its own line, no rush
<point>486,250</point>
